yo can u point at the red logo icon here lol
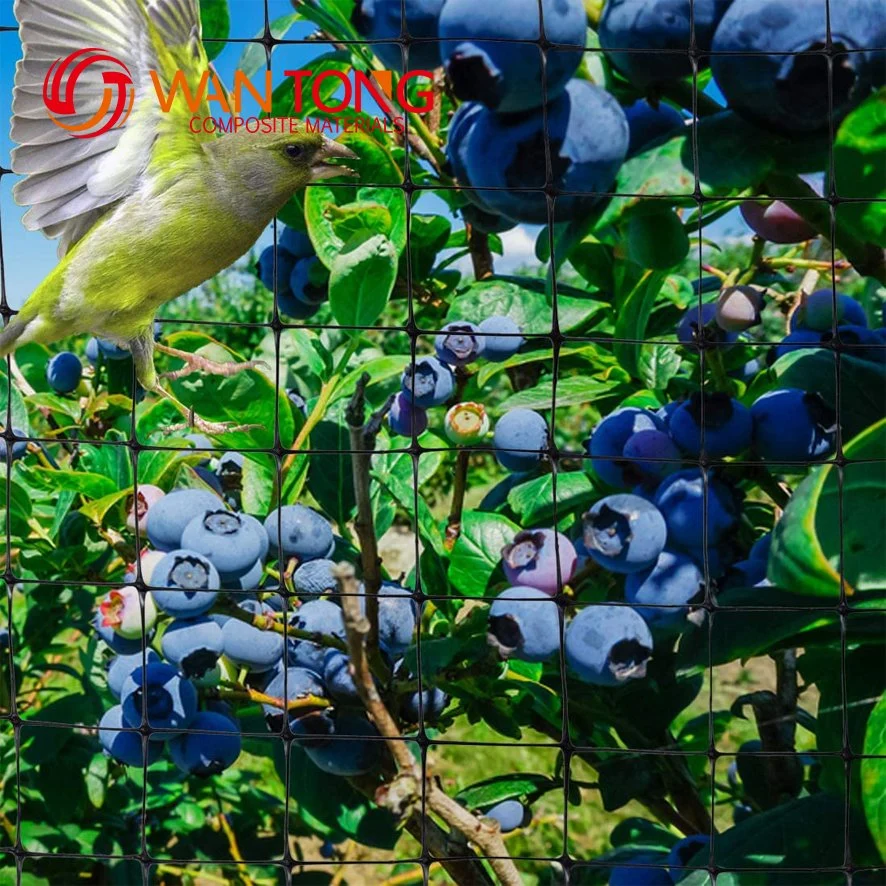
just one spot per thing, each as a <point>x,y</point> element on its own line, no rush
<point>60,86</point>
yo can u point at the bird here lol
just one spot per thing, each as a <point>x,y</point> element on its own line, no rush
<point>147,210</point>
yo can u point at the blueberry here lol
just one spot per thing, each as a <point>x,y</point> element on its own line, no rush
<point>63,372</point>
<point>458,147</point>
<point>510,815</point>
<point>251,581</point>
<point>656,27</point>
<point>232,545</point>
<point>293,684</point>
<point>779,80</point>
<point>426,706</point>
<point>192,583</point>
<point>337,677</point>
<point>704,285</point>
<point>315,578</point>
<point>258,526</point>
<point>791,425</point>
<point>208,752</point>
<point>698,326</point>
<point>119,644</point>
<point>405,419</point>
<point>502,338</point>
<point>624,875</point>
<point>309,281</point>
<point>328,850</point>
<point>170,700</point>
<point>428,383</point>
<point>744,574</point>
<point>624,533</point>
<point>816,312</point>
<point>681,500</point>
<point>689,849</point>
<point>761,548</point>
<point>147,563</point>
<point>648,124</point>
<point>167,519</point>
<point>650,455</point>
<point>397,617</point>
<point>285,265</point>
<point>356,754</point>
<point>509,154</point>
<point>524,623</point>
<point>124,609</point>
<point>303,533</point>
<point>608,645</point>
<point>296,243</point>
<point>608,439</point>
<point>860,342</point>
<point>776,222</point>
<point>292,308</point>
<point>387,19</point>
<point>317,617</point>
<point>738,308</point>
<point>520,439</point>
<point>122,666</point>
<point>193,645</point>
<point>802,338</point>
<point>718,422</point>
<point>91,351</point>
<point>485,64</point>
<point>248,646</point>
<point>112,351</point>
<point>230,466</point>
<point>674,581</point>
<point>459,344</point>
<point>124,747</point>
<point>138,505</point>
<point>19,446</point>
<point>466,424</point>
<point>531,560</point>
<point>298,401</point>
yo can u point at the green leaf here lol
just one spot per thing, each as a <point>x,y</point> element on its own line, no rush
<point>807,543</point>
<point>658,364</point>
<point>321,229</point>
<point>89,485</point>
<point>573,390</point>
<point>477,553</point>
<point>873,775</point>
<point>329,474</point>
<point>20,418</point>
<point>361,281</point>
<point>534,501</point>
<point>860,169</point>
<point>216,22</point>
<point>254,58</point>
<point>632,317</point>
<point>516,786</point>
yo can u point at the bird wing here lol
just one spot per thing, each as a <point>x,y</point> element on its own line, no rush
<point>72,181</point>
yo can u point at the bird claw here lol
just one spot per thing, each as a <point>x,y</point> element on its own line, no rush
<point>209,428</point>
<point>198,363</point>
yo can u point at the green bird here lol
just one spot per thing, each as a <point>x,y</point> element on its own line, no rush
<point>149,209</point>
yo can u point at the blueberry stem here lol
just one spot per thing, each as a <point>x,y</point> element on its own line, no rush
<point>460,487</point>
<point>244,693</point>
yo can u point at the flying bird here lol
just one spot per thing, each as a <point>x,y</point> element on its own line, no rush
<point>147,210</point>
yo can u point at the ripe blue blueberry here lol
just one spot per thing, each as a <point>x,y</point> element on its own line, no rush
<point>657,26</point>
<point>387,19</point>
<point>761,548</point>
<point>861,343</point>
<point>232,544</point>
<point>792,425</point>
<point>337,677</point>
<point>520,439</point>
<point>531,560</point>
<point>167,519</point>
<point>650,455</point>
<point>91,351</point>
<point>524,623</point>
<point>717,422</point>
<point>248,646</point>
<point>459,344</point>
<point>63,372</point>
<point>624,533</point>
<point>397,616</point>
<point>608,439</point>
<point>296,243</point>
<point>291,684</point>
<point>193,645</point>
<point>124,747</point>
<point>112,351</point>
<point>230,466</point>
<point>510,815</point>
<point>681,500</point>
<point>426,706</point>
<point>192,583</point>
<point>19,446</point>
<point>293,308</point>
<point>309,281</point>
<point>303,533</point>
<point>694,849</point>
<point>608,645</point>
<point>428,383</point>
<point>123,665</point>
<point>802,338</point>
<point>745,574</point>
<point>251,581</point>
<point>484,64</point>
<point>674,581</point>
<point>816,312</point>
<point>485,222</point>
<point>509,154</point>
<point>785,85</point>
<point>285,265</point>
<point>356,754</point>
<point>207,752</point>
<point>502,337</point>
<point>405,419</point>
<point>317,617</point>
<point>170,701</point>
<point>625,875</point>
<point>698,326</point>
<point>648,124</point>
<point>315,578</point>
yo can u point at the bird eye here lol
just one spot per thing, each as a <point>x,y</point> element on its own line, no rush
<point>294,151</point>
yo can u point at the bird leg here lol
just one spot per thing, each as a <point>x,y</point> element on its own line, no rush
<point>197,363</point>
<point>142,349</point>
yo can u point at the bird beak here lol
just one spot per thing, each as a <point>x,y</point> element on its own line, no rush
<point>324,160</point>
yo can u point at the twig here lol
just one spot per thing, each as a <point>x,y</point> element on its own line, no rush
<point>481,254</point>
<point>453,529</point>
<point>244,693</point>
<point>269,623</point>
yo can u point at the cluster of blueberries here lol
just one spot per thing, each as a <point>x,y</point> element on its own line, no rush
<point>302,279</point>
<point>431,381</point>
<point>212,626</point>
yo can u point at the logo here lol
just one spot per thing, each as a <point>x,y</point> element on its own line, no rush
<point>60,87</point>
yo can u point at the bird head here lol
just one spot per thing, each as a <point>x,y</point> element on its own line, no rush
<point>271,167</point>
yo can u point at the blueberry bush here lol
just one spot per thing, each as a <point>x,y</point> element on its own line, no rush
<point>546,545</point>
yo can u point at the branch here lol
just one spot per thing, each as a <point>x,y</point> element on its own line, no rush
<point>453,528</point>
<point>269,623</point>
<point>481,254</point>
